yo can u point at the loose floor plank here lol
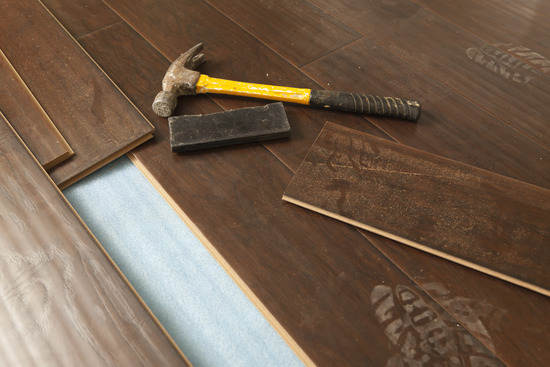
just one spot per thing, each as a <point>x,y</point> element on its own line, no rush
<point>297,30</point>
<point>317,269</point>
<point>28,118</point>
<point>511,90</point>
<point>63,302</point>
<point>96,119</point>
<point>488,222</point>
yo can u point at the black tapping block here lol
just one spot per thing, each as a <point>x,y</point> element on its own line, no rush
<point>239,126</point>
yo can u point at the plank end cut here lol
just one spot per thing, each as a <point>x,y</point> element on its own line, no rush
<point>482,220</point>
<point>244,125</point>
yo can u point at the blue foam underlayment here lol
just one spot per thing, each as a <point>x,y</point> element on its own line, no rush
<point>203,310</point>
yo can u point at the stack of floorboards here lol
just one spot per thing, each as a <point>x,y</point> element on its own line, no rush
<point>340,295</point>
<point>63,302</point>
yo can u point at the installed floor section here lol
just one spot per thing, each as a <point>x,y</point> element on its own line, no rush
<point>203,310</point>
<point>326,285</point>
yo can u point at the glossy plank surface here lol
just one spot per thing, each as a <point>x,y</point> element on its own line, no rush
<point>63,302</point>
<point>98,121</point>
<point>297,30</point>
<point>522,32</point>
<point>509,320</point>
<point>508,88</point>
<point>304,280</point>
<point>28,118</point>
<point>450,125</point>
<point>83,16</point>
<point>487,222</point>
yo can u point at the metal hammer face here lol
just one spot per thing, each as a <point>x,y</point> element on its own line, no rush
<point>180,79</point>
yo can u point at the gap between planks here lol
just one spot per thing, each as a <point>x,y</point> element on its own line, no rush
<point>224,264</point>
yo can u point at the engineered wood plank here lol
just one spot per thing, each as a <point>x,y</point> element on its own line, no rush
<point>450,125</point>
<point>510,321</point>
<point>96,119</point>
<point>511,90</point>
<point>28,118</point>
<point>297,30</point>
<point>83,16</point>
<point>299,269</point>
<point>490,223</point>
<point>522,33</point>
<point>63,301</point>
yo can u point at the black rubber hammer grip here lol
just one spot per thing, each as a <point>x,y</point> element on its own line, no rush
<point>363,103</point>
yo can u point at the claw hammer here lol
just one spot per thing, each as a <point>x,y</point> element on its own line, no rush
<point>181,79</point>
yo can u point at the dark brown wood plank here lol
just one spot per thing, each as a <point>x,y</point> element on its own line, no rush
<point>96,119</point>
<point>63,302</point>
<point>510,321</point>
<point>317,280</point>
<point>478,219</point>
<point>511,90</point>
<point>83,16</point>
<point>29,119</point>
<point>449,126</point>
<point>297,30</point>
<point>521,32</point>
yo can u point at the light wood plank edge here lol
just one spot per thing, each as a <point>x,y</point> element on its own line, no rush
<point>66,147</point>
<point>421,247</point>
<point>225,265</point>
<point>102,249</point>
<point>64,184</point>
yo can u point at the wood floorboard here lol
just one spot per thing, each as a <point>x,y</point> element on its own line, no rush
<point>297,30</point>
<point>511,321</point>
<point>63,302</point>
<point>481,220</point>
<point>513,92</point>
<point>523,33</point>
<point>449,126</point>
<point>96,119</point>
<point>303,279</point>
<point>83,16</point>
<point>28,118</point>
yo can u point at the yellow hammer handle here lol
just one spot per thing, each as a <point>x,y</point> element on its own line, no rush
<point>207,84</point>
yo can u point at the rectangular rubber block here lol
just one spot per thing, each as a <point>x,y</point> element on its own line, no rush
<point>244,125</point>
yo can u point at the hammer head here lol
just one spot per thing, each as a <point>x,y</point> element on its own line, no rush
<point>180,79</point>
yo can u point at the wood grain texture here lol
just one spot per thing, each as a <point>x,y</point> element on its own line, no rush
<point>82,17</point>
<point>62,300</point>
<point>297,30</point>
<point>512,322</point>
<point>28,118</point>
<point>488,222</point>
<point>96,119</point>
<point>522,33</point>
<point>509,89</point>
<point>300,268</point>
<point>450,125</point>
